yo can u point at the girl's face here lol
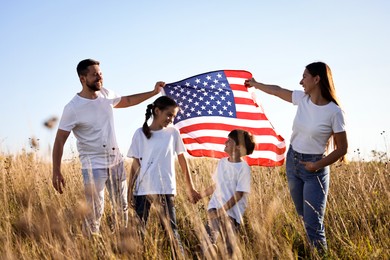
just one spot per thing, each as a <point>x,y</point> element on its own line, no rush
<point>165,117</point>
<point>309,82</point>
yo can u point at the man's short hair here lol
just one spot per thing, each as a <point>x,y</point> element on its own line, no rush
<point>82,67</point>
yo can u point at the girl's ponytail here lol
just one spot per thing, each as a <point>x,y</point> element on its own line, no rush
<point>145,126</point>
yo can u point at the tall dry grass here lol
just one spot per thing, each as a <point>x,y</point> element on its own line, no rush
<point>38,223</point>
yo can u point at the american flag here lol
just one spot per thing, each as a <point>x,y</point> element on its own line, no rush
<point>214,103</point>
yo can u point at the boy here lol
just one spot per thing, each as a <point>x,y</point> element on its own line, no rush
<point>230,189</point>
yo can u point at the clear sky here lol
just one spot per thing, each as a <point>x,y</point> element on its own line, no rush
<point>141,42</point>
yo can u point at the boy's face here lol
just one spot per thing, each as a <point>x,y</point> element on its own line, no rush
<point>230,146</point>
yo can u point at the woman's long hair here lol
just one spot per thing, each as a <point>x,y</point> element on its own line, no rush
<point>161,103</point>
<point>327,88</point>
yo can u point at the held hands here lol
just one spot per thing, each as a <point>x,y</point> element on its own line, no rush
<point>58,182</point>
<point>157,88</point>
<point>194,196</point>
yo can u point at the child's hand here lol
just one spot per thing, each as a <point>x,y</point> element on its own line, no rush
<point>195,196</point>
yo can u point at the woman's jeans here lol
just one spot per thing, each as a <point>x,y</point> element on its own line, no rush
<point>95,181</point>
<point>165,204</point>
<point>309,191</point>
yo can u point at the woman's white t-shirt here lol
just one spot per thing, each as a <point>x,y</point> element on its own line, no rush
<point>230,177</point>
<point>313,125</point>
<point>157,159</point>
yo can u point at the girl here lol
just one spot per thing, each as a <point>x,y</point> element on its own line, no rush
<point>153,151</point>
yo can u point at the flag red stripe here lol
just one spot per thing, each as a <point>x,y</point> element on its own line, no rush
<point>238,74</point>
<point>238,87</point>
<point>245,101</point>
<point>263,162</point>
<point>220,140</point>
<point>251,116</point>
<point>225,127</point>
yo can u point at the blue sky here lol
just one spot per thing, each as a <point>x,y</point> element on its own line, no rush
<point>141,42</point>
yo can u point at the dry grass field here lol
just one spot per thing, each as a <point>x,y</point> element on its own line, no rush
<point>38,223</point>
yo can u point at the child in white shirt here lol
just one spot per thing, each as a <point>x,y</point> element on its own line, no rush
<point>229,193</point>
<point>153,149</point>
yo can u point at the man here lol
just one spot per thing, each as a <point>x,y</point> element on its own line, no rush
<point>90,116</point>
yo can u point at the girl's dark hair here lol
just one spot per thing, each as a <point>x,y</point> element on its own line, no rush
<point>242,137</point>
<point>161,103</point>
<point>322,70</point>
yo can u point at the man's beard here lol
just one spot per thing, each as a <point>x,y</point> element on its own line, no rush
<point>94,86</point>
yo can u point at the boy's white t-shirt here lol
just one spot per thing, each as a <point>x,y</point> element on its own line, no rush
<point>313,124</point>
<point>230,177</point>
<point>157,158</point>
<point>92,123</point>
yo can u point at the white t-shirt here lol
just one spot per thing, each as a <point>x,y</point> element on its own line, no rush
<point>157,158</point>
<point>230,177</point>
<point>313,124</point>
<point>92,123</point>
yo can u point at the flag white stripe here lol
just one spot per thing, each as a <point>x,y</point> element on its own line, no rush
<point>235,80</point>
<point>242,94</point>
<point>248,108</point>
<point>226,121</point>
<point>267,154</point>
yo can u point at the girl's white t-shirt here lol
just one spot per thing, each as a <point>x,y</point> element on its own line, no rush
<point>92,123</point>
<point>230,177</point>
<point>313,125</point>
<point>157,159</point>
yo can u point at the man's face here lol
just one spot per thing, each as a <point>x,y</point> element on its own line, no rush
<point>94,78</point>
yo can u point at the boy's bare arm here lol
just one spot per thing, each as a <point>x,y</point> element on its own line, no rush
<point>208,191</point>
<point>232,201</point>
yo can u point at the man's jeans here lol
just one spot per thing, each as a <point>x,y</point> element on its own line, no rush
<point>309,191</point>
<point>95,180</point>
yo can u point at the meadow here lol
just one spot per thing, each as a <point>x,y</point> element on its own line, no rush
<point>38,223</point>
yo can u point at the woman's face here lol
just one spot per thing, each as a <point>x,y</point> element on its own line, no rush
<point>309,82</point>
<point>166,116</point>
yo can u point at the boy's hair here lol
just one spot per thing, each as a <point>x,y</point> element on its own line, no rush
<point>82,67</point>
<point>245,138</point>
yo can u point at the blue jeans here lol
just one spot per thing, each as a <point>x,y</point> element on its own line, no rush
<point>166,212</point>
<point>309,191</point>
<point>95,181</point>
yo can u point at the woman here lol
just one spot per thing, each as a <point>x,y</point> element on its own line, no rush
<point>319,122</point>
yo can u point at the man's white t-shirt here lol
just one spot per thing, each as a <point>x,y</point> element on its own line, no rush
<point>230,177</point>
<point>92,123</point>
<point>313,124</point>
<point>157,158</point>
